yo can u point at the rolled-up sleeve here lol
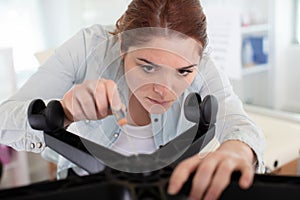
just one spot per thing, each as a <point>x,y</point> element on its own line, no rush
<point>51,81</point>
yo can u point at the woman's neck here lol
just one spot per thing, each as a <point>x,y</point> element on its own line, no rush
<point>136,113</point>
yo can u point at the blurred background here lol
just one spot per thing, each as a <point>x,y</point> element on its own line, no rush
<point>255,41</point>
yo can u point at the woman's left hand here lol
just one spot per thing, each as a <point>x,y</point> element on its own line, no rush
<point>213,172</point>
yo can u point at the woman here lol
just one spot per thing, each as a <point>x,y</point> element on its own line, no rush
<point>148,64</point>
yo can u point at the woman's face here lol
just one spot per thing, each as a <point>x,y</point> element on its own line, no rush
<point>158,72</point>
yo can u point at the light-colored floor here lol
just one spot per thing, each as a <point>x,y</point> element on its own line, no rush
<point>25,168</point>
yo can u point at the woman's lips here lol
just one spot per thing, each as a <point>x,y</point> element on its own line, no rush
<point>162,103</point>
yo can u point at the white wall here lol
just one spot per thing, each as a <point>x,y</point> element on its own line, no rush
<point>63,18</point>
<point>253,11</point>
<point>287,59</point>
<point>289,90</point>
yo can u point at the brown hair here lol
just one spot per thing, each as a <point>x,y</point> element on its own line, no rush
<point>183,16</point>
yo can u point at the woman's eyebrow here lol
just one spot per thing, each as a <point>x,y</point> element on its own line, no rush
<point>187,67</point>
<point>151,63</point>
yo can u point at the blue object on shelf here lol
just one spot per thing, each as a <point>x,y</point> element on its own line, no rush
<point>259,56</point>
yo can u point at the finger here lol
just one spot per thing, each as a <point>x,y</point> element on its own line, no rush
<point>246,179</point>
<point>76,110</point>
<point>113,95</point>
<point>88,108</point>
<point>181,173</point>
<point>73,109</point>
<point>221,179</point>
<point>202,178</point>
<point>66,103</point>
<point>86,103</point>
<point>101,100</point>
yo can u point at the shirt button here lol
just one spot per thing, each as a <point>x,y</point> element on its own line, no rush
<point>87,121</point>
<point>116,135</point>
<point>39,145</point>
<point>32,145</point>
<point>155,120</point>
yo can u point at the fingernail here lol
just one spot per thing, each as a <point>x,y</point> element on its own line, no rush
<point>172,189</point>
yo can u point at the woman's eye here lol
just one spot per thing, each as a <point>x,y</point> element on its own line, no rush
<point>148,68</point>
<point>184,72</point>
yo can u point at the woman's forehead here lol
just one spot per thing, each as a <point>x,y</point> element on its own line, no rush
<point>181,51</point>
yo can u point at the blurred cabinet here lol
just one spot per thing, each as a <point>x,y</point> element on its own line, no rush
<point>257,83</point>
<point>251,52</point>
<point>255,48</point>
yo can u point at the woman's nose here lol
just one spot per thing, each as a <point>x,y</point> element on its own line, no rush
<point>160,89</point>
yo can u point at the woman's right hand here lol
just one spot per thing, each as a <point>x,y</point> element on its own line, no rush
<point>91,100</point>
